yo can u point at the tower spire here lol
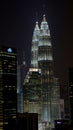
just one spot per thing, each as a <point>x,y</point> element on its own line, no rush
<point>44,18</point>
<point>36,26</point>
<point>34,50</point>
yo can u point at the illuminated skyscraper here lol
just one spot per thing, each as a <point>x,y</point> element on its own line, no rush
<point>34,49</point>
<point>8,85</point>
<point>50,85</point>
<point>45,63</point>
<point>42,59</point>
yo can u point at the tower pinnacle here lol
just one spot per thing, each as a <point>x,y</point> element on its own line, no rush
<point>36,26</point>
<point>44,18</point>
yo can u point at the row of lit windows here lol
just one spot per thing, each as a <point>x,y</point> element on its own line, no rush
<point>44,26</point>
<point>34,54</point>
<point>44,48</point>
<point>34,47</point>
<point>35,40</point>
<point>5,73</point>
<point>46,43</point>
<point>44,32</point>
<point>10,86</point>
<point>9,68</point>
<point>7,53</point>
<point>9,62</point>
<point>44,38</point>
<point>45,57</point>
<point>34,62</point>
<point>47,80</point>
<point>4,55</point>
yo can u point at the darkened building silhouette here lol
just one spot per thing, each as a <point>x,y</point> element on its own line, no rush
<point>28,121</point>
<point>62,124</point>
<point>65,96</point>
<point>25,121</point>
<point>71,93</point>
<point>8,85</point>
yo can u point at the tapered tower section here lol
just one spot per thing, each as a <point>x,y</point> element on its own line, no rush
<point>34,48</point>
<point>41,92</point>
<point>45,62</point>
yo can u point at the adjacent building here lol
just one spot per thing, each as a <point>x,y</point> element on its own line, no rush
<point>32,93</point>
<point>19,91</point>
<point>71,93</point>
<point>8,85</point>
<point>28,121</point>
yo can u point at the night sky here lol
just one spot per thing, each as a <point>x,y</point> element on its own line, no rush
<point>17,21</point>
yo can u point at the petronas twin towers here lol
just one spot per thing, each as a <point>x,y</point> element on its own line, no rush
<point>47,103</point>
<point>41,44</point>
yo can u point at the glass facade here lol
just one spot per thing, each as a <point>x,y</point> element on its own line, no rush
<point>34,49</point>
<point>19,91</point>
<point>8,85</point>
<point>42,58</point>
<point>32,92</point>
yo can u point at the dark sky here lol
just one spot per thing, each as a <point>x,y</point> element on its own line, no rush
<point>17,20</point>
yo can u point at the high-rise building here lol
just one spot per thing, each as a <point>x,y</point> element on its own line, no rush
<point>42,59</point>
<point>45,63</point>
<point>34,49</point>
<point>20,78</point>
<point>19,90</point>
<point>32,92</point>
<point>71,93</point>
<point>65,97</point>
<point>8,85</point>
